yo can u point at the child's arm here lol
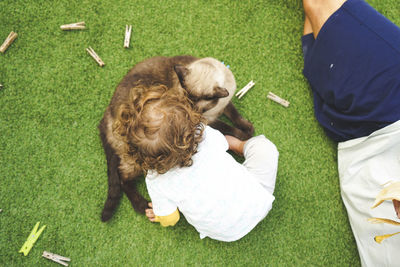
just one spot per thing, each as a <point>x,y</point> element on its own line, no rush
<point>169,220</point>
<point>235,144</point>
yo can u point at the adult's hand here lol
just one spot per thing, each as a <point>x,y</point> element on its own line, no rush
<point>396,205</point>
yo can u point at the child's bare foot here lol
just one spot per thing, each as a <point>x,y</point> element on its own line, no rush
<point>236,145</point>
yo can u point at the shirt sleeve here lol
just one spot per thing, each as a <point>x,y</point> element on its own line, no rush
<point>162,206</point>
<point>216,138</point>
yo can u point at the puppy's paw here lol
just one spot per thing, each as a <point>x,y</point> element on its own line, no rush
<point>246,127</point>
<point>241,134</point>
<point>141,206</point>
<point>106,215</point>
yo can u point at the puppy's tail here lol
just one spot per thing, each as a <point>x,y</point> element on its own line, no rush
<point>114,182</point>
<point>113,196</point>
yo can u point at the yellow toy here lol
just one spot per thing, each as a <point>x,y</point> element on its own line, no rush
<point>33,236</point>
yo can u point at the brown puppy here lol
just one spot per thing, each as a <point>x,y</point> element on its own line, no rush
<point>206,83</point>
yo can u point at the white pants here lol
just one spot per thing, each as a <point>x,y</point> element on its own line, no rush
<point>365,164</point>
<point>261,159</point>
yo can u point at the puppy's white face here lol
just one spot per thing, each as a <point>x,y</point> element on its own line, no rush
<point>210,84</point>
<point>207,73</point>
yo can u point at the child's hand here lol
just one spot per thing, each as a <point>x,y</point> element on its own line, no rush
<point>150,214</point>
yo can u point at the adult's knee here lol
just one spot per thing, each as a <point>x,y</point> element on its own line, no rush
<point>312,7</point>
<point>315,8</point>
<point>318,11</point>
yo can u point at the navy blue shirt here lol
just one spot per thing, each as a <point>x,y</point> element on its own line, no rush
<point>354,71</point>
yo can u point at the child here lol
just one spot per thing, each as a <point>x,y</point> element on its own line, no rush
<point>189,171</point>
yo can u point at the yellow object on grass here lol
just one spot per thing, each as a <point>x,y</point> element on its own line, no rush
<point>33,236</point>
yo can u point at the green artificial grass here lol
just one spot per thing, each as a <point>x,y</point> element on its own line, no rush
<point>52,165</point>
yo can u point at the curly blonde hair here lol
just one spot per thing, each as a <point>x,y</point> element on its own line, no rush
<point>161,127</point>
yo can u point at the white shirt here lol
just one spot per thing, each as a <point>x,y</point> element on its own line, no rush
<point>220,197</point>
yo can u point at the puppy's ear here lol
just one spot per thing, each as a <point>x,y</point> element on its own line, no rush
<point>218,92</point>
<point>182,72</point>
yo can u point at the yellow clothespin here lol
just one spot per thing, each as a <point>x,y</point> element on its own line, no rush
<point>33,236</point>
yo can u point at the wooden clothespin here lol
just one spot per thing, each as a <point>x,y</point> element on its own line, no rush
<point>128,30</point>
<point>73,26</point>
<point>95,56</point>
<point>56,258</point>
<point>245,89</point>
<point>11,37</point>
<point>33,236</point>
<point>277,99</point>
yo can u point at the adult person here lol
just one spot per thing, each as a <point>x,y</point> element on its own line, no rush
<point>352,62</point>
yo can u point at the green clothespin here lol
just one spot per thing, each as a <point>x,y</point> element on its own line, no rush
<point>33,236</point>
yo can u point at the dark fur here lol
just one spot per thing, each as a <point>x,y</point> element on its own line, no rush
<point>168,71</point>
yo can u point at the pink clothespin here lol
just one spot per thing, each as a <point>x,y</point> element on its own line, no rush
<point>56,258</point>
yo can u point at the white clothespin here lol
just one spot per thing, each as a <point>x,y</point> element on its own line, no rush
<point>56,258</point>
<point>95,56</point>
<point>73,26</point>
<point>11,37</point>
<point>245,89</point>
<point>128,30</point>
<point>277,99</point>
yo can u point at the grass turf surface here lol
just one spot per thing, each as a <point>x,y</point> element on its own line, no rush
<point>52,165</point>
